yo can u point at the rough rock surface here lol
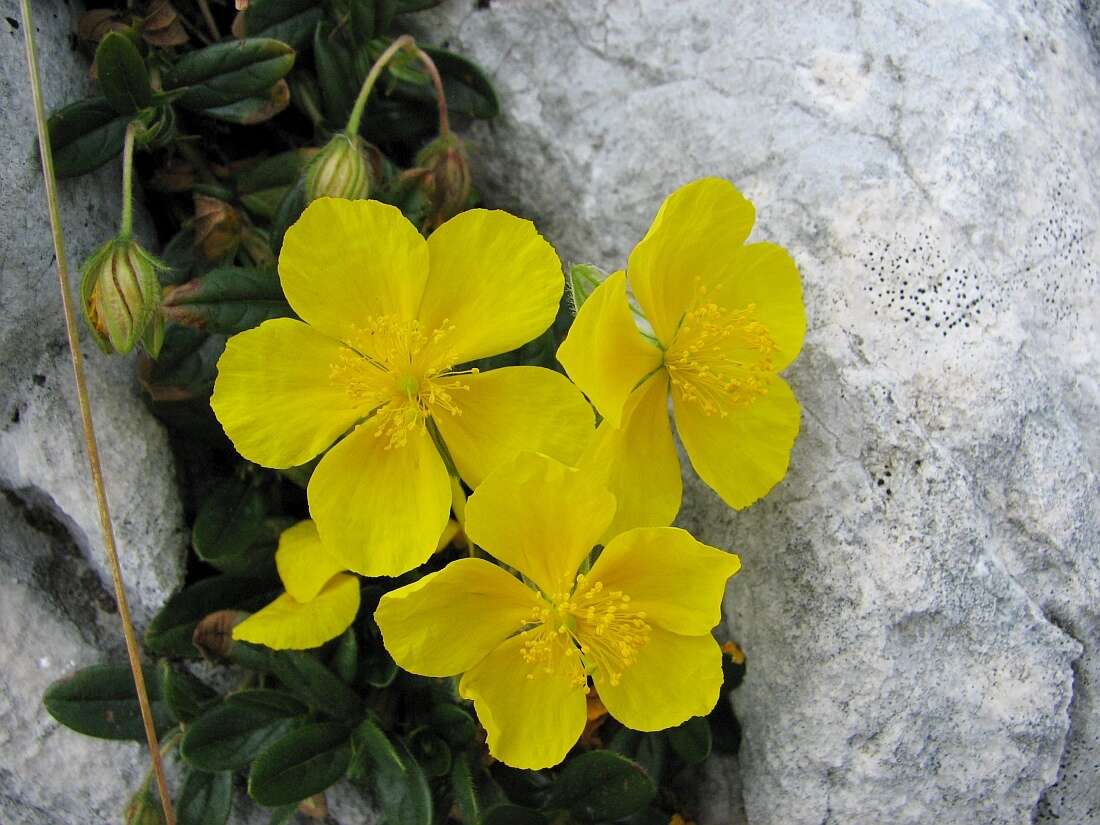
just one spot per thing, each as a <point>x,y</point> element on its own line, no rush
<point>919,599</point>
<point>56,608</point>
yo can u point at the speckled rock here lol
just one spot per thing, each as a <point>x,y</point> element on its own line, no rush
<point>919,599</point>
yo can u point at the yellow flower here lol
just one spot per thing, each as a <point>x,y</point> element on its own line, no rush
<point>727,317</point>
<point>387,317</point>
<point>320,601</point>
<point>638,623</point>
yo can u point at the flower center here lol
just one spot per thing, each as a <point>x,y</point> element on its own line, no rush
<point>598,626</point>
<point>399,372</point>
<point>720,359</point>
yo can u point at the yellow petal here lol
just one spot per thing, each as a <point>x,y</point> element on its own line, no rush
<point>274,395</point>
<point>676,581</point>
<point>674,678</point>
<point>287,624</point>
<point>345,261</point>
<point>494,279</point>
<point>380,510</point>
<point>604,353</point>
<point>743,454</point>
<point>302,561</point>
<point>697,231</point>
<point>532,722</point>
<point>540,517</point>
<point>506,411</point>
<point>452,529</point>
<point>448,621</point>
<point>764,276</point>
<point>638,461</point>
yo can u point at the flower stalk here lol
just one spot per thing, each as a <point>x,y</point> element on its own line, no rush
<point>404,43</point>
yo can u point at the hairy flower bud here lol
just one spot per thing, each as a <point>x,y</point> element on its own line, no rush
<point>217,227</point>
<point>339,170</point>
<point>120,293</point>
<point>445,176</point>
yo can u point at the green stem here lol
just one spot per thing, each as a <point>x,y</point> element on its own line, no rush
<point>127,226</point>
<point>403,42</point>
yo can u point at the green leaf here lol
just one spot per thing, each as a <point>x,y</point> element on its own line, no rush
<point>263,185</point>
<point>302,763</point>
<point>406,6</point>
<point>312,682</point>
<point>345,659</point>
<point>230,524</point>
<point>179,254</point>
<point>256,108</point>
<point>85,135</point>
<point>186,365</point>
<point>691,740</point>
<point>186,695</point>
<point>583,280</point>
<point>227,72</point>
<point>431,751</point>
<point>464,791</point>
<point>290,209</point>
<point>647,749</point>
<point>122,74</point>
<point>363,19</point>
<point>467,89</point>
<point>373,754</point>
<point>205,799</point>
<point>101,701</point>
<point>267,701</point>
<point>291,21</point>
<point>336,74</point>
<point>455,725</point>
<point>228,300</point>
<point>509,814</point>
<point>229,736</point>
<point>170,631</point>
<point>600,785</point>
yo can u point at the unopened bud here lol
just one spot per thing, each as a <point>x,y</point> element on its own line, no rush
<point>217,228</point>
<point>143,810</point>
<point>257,246</point>
<point>120,293</point>
<point>339,170</point>
<point>445,177</point>
<point>213,634</point>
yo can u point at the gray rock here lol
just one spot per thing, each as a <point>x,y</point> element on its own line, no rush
<point>919,597</point>
<point>42,456</point>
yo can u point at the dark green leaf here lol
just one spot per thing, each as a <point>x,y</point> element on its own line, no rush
<point>227,72</point>
<point>256,108</point>
<point>206,798</point>
<point>267,701</point>
<point>170,632</point>
<point>467,89</point>
<point>85,135</point>
<point>228,300</point>
<point>647,749</point>
<point>406,6</point>
<point>230,736</point>
<point>122,74</point>
<point>262,186</point>
<point>379,669</point>
<point>186,695</point>
<point>527,788</point>
<point>455,725</point>
<point>648,816</point>
<point>336,74</point>
<point>508,814</point>
<point>290,209</point>
<point>373,754</point>
<point>186,365</point>
<point>302,763</point>
<point>691,740</point>
<point>464,790</point>
<point>179,254</point>
<point>101,701</point>
<point>230,521</point>
<point>345,659</point>
<point>291,21</point>
<point>583,280</point>
<point>363,21</point>
<point>312,682</point>
<point>600,785</point>
<point>431,751</point>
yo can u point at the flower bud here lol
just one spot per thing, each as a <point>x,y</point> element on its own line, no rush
<point>143,810</point>
<point>445,178</point>
<point>217,228</point>
<point>339,170</point>
<point>120,293</point>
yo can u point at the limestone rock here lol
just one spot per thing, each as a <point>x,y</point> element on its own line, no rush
<point>919,597</point>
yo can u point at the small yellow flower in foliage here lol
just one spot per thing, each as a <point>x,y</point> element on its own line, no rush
<point>320,601</point>
<point>374,365</point>
<point>637,623</point>
<point>727,317</point>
